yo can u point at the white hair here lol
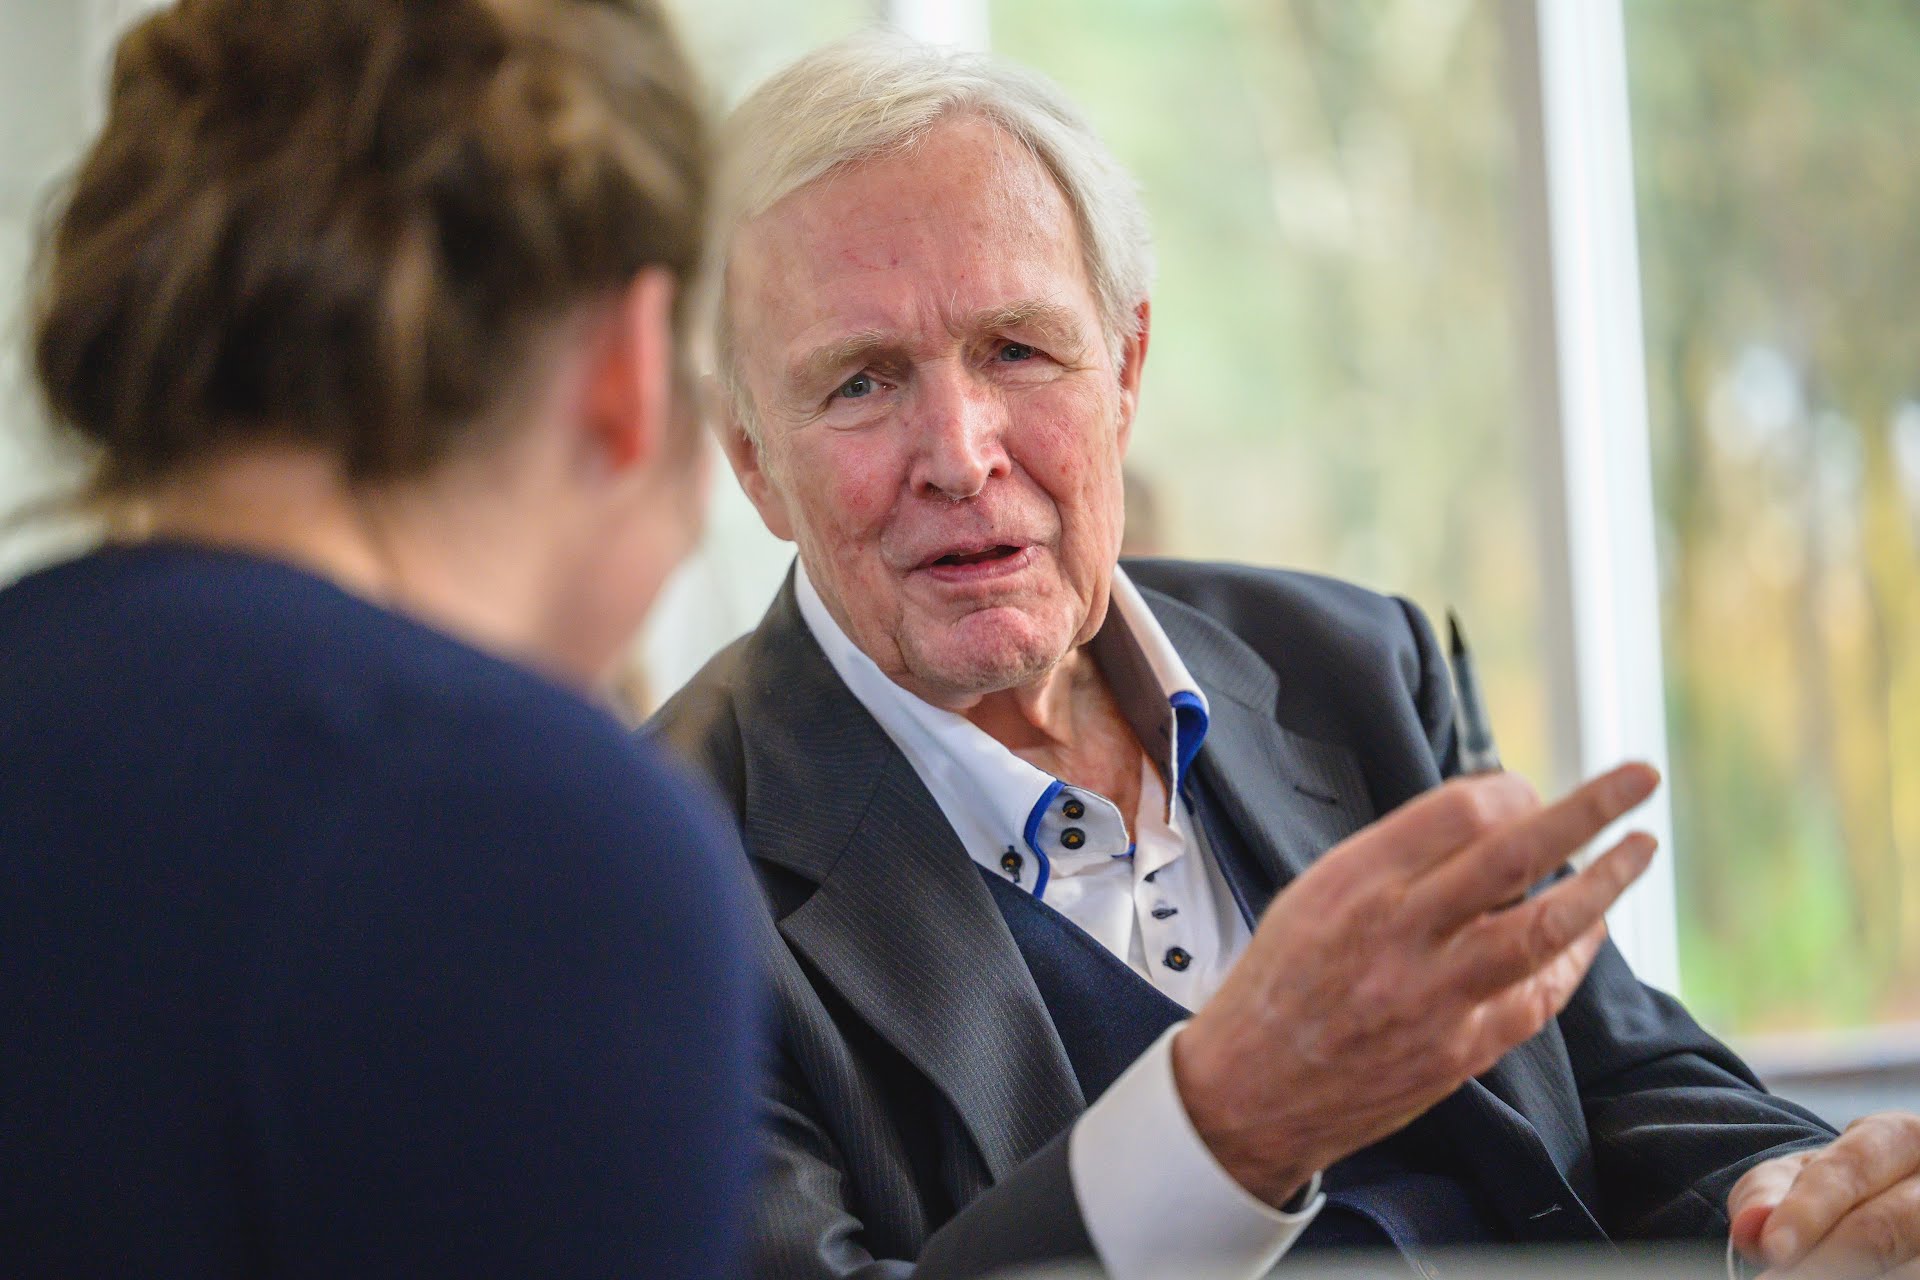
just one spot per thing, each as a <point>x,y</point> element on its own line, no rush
<point>879,94</point>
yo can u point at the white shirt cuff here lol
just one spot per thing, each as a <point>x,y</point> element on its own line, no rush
<point>1155,1201</point>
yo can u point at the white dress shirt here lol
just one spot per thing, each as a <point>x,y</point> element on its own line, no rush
<point>1155,1201</point>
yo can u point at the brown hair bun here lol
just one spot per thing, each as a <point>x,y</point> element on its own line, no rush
<point>343,223</point>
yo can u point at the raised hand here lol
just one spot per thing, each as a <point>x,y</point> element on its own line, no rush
<point>1399,966</point>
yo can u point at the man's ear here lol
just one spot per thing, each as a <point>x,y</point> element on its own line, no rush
<point>1133,359</point>
<point>630,383</point>
<point>744,455</point>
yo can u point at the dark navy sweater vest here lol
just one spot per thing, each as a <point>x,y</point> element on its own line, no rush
<point>1405,1193</point>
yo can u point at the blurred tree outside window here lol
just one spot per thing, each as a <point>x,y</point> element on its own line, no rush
<point>1778,190</point>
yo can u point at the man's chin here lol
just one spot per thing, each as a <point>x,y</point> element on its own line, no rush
<point>971,660</point>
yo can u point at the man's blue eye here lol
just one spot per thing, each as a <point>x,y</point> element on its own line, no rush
<point>856,387</point>
<point>1016,351</point>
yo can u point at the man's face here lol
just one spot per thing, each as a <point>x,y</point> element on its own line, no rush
<point>941,418</point>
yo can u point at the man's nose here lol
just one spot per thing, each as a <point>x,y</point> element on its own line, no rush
<point>961,431</point>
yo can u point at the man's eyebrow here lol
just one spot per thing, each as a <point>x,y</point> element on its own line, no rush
<point>1048,319</point>
<point>824,361</point>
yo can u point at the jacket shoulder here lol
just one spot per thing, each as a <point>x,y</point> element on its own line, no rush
<point>701,722</point>
<point>1303,625</point>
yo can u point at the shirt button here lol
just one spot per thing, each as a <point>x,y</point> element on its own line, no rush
<point>1072,838</point>
<point>1011,863</point>
<point>1073,808</point>
<point>1162,911</point>
<point>1177,959</point>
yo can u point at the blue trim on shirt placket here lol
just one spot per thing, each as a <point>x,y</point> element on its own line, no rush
<point>1039,811</point>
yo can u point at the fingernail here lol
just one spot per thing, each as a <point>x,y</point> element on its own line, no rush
<point>1784,1245</point>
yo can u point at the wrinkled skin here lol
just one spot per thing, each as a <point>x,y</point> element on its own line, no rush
<point>931,379</point>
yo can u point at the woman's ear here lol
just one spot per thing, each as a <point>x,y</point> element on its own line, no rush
<point>630,380</point>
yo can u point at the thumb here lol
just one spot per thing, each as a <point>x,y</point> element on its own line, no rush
<point>1754,1198</point>
<point>1747,1226</point>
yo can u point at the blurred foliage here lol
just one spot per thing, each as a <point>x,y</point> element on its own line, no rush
<point>1778,192</point>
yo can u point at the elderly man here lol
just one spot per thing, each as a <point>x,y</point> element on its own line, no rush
<point>1125,912</point>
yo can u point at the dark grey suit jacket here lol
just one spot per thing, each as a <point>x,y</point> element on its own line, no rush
<point>918,1112</point>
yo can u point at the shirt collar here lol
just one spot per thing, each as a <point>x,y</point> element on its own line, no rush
<point>1009,813</point>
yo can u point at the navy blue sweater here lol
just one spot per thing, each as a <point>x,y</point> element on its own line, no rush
<point>332,946</point>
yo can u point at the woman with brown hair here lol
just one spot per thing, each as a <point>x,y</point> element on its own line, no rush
<point>343,932</point>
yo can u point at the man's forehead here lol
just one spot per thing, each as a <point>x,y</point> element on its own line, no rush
<point>966,224</point>
<point>966,196</point>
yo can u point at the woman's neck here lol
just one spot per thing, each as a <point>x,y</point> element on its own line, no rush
<point>456,565</point>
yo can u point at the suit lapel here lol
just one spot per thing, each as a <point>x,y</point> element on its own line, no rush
<point>899,923</point>
<point>1293,797</point>
<point>1288,794</point>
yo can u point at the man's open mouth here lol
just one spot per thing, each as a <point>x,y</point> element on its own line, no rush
<point>1000,552</point>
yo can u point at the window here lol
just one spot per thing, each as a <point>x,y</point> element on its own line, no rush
<point>1777,190</point>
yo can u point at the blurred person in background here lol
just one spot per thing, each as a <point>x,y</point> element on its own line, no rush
<point>1133,910</point>
<point>346,932</point>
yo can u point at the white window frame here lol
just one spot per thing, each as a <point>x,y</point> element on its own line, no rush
<point>1586,410</point>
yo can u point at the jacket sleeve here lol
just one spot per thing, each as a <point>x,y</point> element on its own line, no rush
<point>803,1228</point>
<point>1674,1116</point>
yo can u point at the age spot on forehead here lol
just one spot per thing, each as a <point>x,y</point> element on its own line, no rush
<point>857,258</point>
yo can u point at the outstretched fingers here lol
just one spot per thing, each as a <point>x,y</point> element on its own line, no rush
<point>1503,865</point>
<point>1517,1013</point>
<point>1501,950</point>
<point>1434,826</point>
